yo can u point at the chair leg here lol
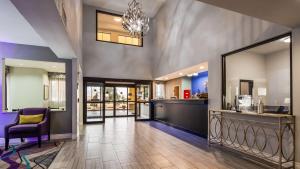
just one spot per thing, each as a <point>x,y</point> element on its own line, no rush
<point>6,143</point>
<point>22,139</point>
<point>39,141</point>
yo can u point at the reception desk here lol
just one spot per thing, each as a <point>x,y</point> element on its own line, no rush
<point>189,115</point>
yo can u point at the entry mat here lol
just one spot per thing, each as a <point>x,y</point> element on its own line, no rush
<point>29,156</point>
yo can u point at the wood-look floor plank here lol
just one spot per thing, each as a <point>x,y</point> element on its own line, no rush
<point>124,144</point>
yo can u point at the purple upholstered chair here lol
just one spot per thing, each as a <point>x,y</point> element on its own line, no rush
<point>22,131</point>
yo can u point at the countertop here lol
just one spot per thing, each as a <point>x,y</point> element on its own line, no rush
<point>253,113</point>
<point>181,101</point>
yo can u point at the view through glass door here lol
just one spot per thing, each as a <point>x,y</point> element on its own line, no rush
<point>115,99</point>
<point>109,101</point>
<point>94,103</point>
<point>120,101</point>
<point>143,102</point>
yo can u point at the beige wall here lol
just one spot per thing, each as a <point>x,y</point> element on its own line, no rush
<point>169,88</point>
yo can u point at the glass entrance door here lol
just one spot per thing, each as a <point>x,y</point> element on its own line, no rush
<point>94,103</point>
<point>131,101</point>
<point>143,102</point>
<point>119,101</point>
<point>121,97</point>
<point>109,101</point>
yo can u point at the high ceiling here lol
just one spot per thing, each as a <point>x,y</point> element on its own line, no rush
<point>14,27</point>
<point>283,12</point>
<point>150,7</point>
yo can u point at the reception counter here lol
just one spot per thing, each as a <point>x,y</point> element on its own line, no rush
<point>189,115</point>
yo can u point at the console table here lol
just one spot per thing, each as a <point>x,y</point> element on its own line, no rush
<point>268,137</point>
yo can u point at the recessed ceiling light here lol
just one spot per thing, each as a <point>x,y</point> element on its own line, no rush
<point>180,74</point>
<point>195,74</point>
<point>166,78</point>
<point>202,67</point>
<point>286,40</point>
<point>117,19</point>
<point>190,75</point>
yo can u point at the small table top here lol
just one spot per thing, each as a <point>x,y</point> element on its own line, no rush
<point>254,113</point>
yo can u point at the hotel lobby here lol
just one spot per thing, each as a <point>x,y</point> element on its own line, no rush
<point>175,84</point>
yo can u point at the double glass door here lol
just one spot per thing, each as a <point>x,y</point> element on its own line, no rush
<point>103,100</point>
<point>119,101</point>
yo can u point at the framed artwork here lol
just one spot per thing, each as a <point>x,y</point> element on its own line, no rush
<point>246,87</point>
<point>46,92</point>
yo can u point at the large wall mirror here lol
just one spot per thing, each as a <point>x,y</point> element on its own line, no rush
<point>259,75</point>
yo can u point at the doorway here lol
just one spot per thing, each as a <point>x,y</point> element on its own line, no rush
<point>116,98</point>
<point>176,92</point>
<point>93,106</point>
<point>119,101</point>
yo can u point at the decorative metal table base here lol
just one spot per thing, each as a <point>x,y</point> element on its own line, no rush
<point>270,137</point>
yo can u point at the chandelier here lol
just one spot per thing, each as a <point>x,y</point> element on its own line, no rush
<point>135,21</point>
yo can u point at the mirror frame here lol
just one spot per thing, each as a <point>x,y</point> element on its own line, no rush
<point>223,70</point>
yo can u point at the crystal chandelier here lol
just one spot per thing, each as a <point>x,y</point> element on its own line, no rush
<point>135,21</point>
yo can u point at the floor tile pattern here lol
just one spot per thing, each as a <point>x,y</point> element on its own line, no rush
<point>122,143</point>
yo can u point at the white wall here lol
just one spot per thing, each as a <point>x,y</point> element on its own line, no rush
<point>277,71</point>
<point>108,60</point>
<point>26,88</point>
<point>73,10</point>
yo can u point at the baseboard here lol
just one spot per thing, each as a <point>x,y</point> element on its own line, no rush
<point>61,136</point>
<point>74,136</point>
<point>297,165</point>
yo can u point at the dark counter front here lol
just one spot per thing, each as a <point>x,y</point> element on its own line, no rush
<point>189,115</point>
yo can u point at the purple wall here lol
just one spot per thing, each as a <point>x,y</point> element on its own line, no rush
<point>6,118</point>
<point>198,83</point>
<point>61,122</point>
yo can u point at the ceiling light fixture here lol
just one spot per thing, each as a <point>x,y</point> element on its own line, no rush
<point>195,74</point>
<point>189,75</point>
<point>202,67</point>
<point>135,21</point>
<point>117,19</point>
<point>286,40</point>
<point>180,74</point>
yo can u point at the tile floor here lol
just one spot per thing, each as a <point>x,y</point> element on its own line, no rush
<point>124,143</point>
